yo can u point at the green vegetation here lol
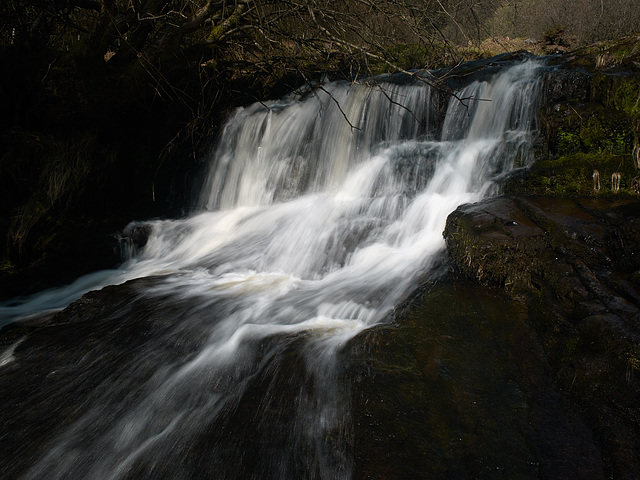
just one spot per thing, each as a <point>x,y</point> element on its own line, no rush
<point>573,175</point>
<point>596,130</point>
<point>593,125</point>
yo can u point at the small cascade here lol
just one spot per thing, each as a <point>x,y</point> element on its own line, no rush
<point>319,214</point>
<point>284,149</point>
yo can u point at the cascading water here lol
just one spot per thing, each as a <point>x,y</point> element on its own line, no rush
<point>318,215</point>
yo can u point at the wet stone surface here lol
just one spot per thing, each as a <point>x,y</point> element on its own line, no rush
<point>575,264</point>
<point>459,387</point>
<point>456,385</point>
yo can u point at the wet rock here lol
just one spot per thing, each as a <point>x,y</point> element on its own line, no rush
<point>574,262</point>
<point>459,387</point>
<point>133,238</point>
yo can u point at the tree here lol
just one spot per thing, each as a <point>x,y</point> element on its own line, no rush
<point>157,33</point>
<point>584,21</point>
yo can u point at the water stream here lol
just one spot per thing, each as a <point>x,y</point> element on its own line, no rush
<point>320,212</point>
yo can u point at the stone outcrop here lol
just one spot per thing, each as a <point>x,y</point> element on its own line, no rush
<point>576,262</point>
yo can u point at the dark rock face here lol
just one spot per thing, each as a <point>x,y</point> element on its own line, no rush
<point>459,387</point>
<point>456,386</point>
<point>575,262</point>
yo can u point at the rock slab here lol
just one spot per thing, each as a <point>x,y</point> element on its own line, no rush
<point>575,263</point>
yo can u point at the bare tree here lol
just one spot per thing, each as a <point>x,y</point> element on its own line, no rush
<point>157,33</point>
<point>583,21</point>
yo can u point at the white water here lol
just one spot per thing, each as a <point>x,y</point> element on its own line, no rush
<point>307,226</point>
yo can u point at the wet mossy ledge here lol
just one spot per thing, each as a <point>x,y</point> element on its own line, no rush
<point>589,124</point>
<point>529,244</point>
<point>574,175</point>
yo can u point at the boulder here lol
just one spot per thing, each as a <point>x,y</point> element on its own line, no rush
<point>574,263</point>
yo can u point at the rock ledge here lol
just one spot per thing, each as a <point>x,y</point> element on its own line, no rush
<point>575,263</point>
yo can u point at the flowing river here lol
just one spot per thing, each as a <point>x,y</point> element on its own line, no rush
<point>319,214</point>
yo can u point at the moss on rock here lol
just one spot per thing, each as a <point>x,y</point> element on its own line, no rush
<point>572,174</point>
<point>590,121</point>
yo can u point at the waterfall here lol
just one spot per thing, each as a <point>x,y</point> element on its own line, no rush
<point>320,212</point>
